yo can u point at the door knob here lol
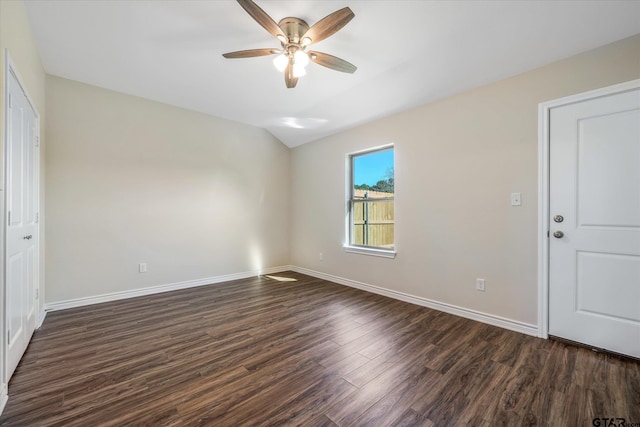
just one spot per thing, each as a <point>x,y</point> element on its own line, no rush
<point>558,218</point>
<point>27,237</point>
<point>558,234</point>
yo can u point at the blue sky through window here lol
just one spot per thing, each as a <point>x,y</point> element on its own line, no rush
<point>371,168</point>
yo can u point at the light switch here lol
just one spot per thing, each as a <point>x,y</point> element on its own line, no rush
<point>516,199</point>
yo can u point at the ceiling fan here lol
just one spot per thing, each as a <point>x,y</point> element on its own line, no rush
<point>295,36</point>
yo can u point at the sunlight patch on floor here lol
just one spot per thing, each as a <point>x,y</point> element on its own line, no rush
<point>282,279</point>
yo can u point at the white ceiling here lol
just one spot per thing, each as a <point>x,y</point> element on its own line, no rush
<point>407,52</point>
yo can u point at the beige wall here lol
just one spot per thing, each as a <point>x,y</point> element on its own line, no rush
<point>131,180</point>
<point>457,161</point>
<point>15,36</point>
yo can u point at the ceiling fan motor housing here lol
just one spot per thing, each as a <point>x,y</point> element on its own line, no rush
<point>293,28</point>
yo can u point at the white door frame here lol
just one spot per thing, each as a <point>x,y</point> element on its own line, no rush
<point>543,190</point>
<point>10,68</point>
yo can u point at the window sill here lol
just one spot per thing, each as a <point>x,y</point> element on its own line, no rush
<point>384,253</point>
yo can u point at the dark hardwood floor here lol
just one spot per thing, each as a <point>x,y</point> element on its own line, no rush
<point>306,352</point>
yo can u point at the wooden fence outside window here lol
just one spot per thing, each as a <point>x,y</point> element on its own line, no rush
<point>373,219</point>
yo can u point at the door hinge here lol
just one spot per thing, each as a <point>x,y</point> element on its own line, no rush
<point>9,218</point>
<point>8,337</point>
<point>37,140</point>
<point>37,217</point>
<point>10,101</point>
<point>37,293</point>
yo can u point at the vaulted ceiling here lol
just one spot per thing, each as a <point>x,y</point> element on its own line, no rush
<point>407,52</point>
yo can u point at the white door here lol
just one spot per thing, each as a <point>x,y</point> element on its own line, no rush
<point>594,248</point>
<point>21,223</point>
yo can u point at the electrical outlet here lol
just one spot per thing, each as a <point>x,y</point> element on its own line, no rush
<point>480,285</point>
<point>142,267</point>
<point>516,199</point>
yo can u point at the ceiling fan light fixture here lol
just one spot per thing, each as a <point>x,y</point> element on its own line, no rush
<point>306,41</point>
<point>282,39</point>
<point>280,62</point>
<point>299,70</point>
<point>301,58</point>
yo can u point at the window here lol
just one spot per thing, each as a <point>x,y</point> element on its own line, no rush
<point>371,216</point>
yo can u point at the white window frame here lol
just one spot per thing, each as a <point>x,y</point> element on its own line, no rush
<point>360,249</point>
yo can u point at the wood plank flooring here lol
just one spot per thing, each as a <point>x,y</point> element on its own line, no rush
<point>306,352</point>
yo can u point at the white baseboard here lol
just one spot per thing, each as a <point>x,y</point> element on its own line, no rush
<point>43,314</point>
<point>80,302</point>
<point>4,397</point>
<point>490,319</point>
